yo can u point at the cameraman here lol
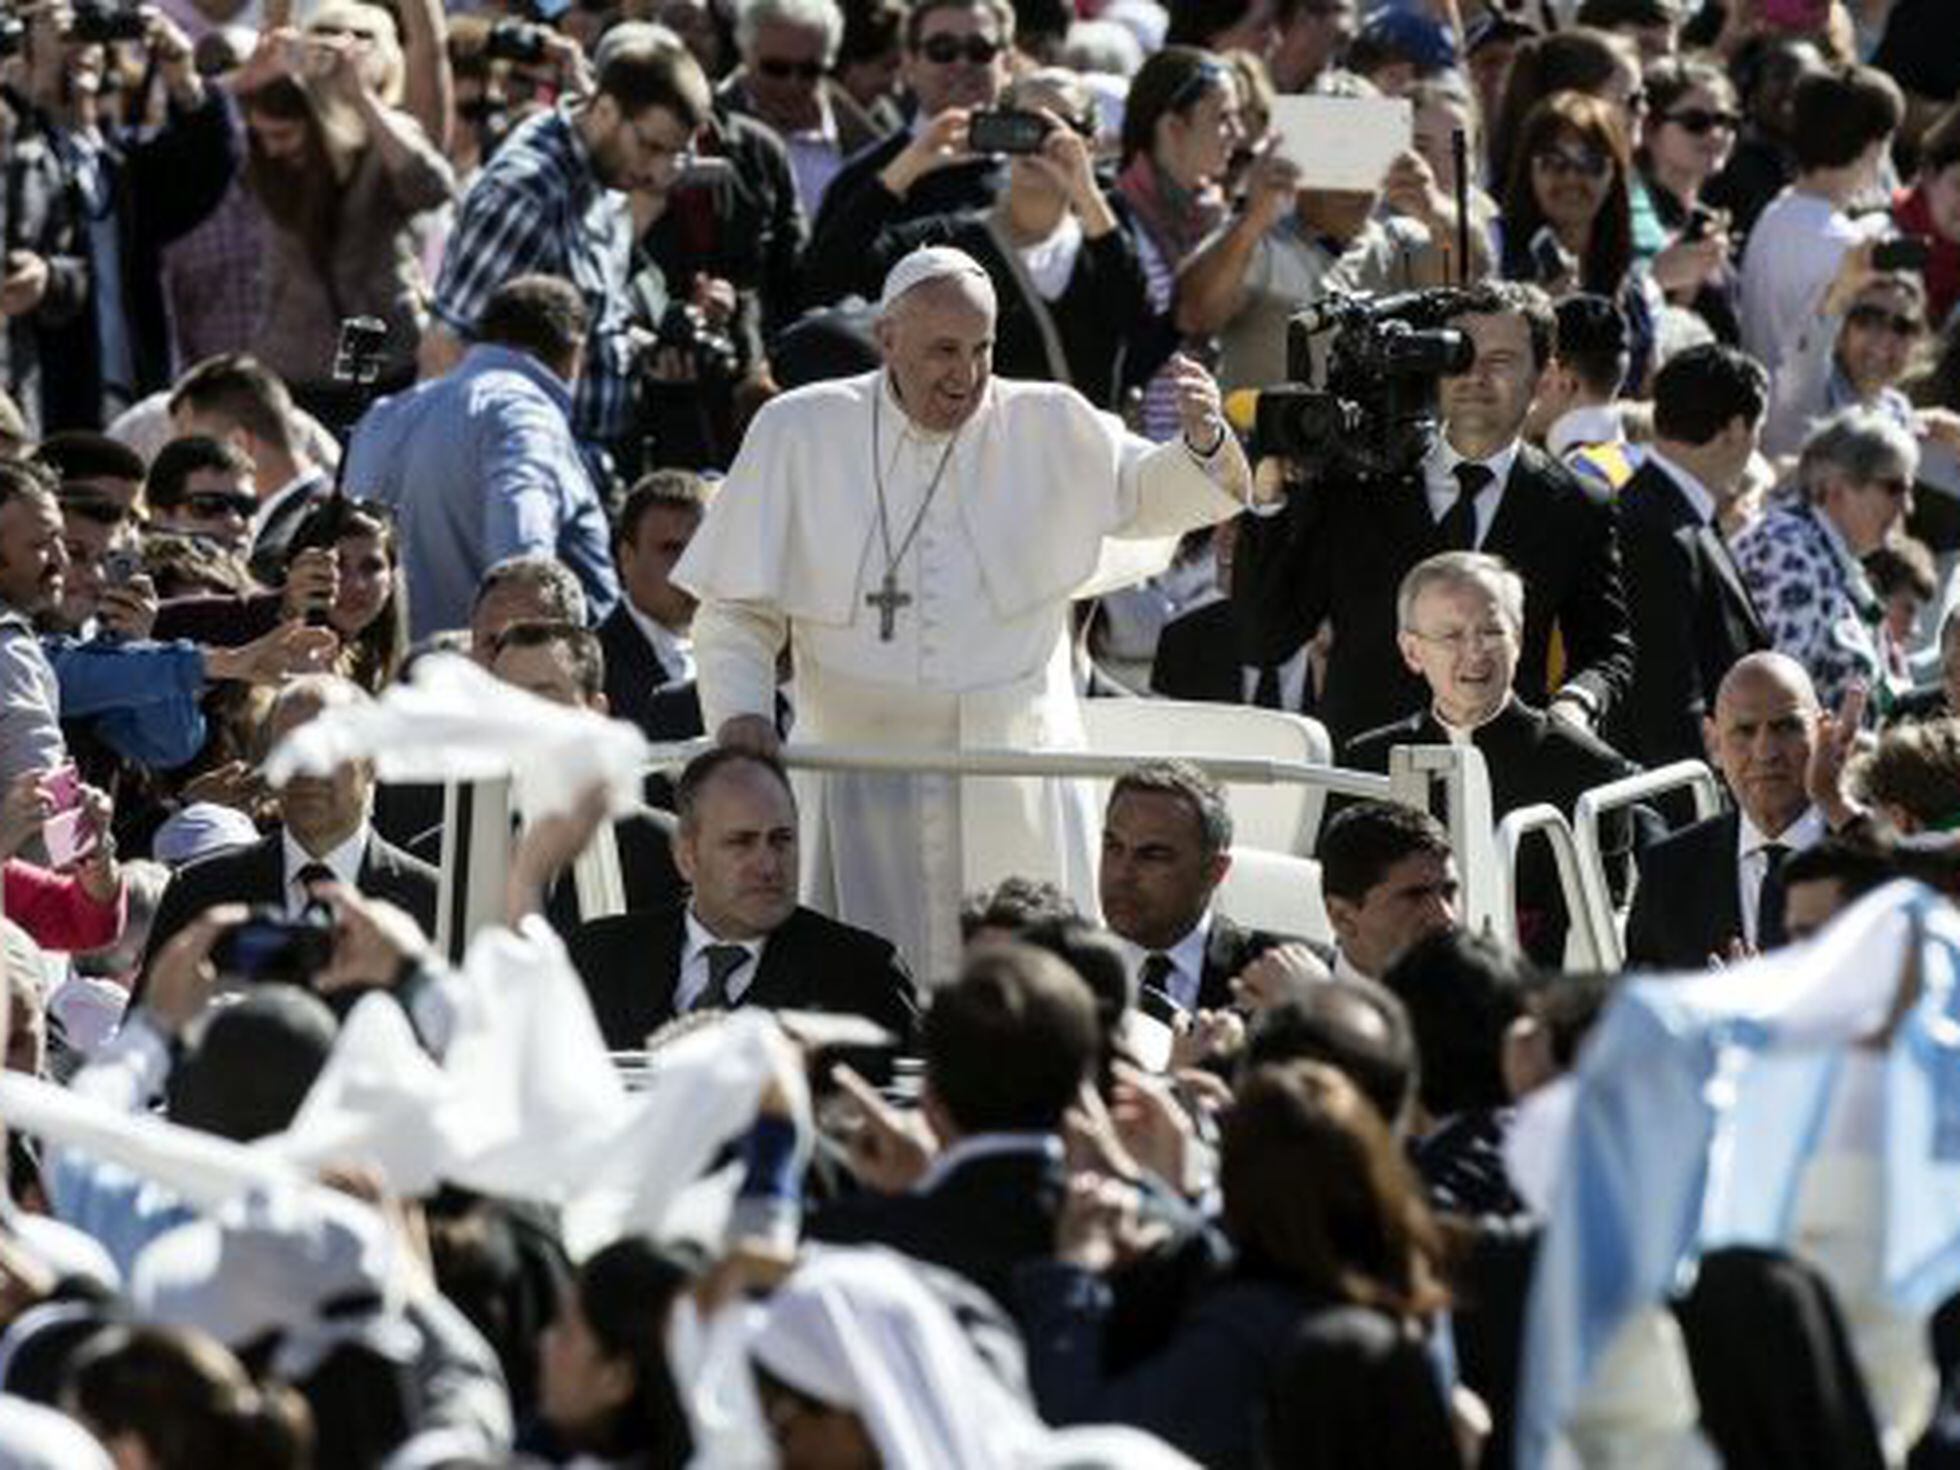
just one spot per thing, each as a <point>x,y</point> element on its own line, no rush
<point>1341,545</point>
<point>132,189</point>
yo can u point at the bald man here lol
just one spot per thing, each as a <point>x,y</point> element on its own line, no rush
<point>1714,889</point>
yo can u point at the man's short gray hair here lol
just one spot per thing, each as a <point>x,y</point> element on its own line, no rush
<point>1860,444</point>
<point>555,582</point>
<point>815,15</point>
<point>1462,569</point>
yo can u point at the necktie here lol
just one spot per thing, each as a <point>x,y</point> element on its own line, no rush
<point>723,961</point>
<point>1267,693</point>
<point>307,876</point>
<point>1154,996</point>
<point>1460,520</point>
<point>1769,902</point>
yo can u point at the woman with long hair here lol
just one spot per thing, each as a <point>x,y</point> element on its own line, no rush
<point>604,1389</point>
<point>1567,222</point>
<point>1323,1214</point>
<point>370,606</point>
<point>1690,133</point>
<point>344,179</point>
<point>1180,129</point>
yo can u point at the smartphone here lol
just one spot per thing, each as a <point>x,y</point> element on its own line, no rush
<point>68,834</point>
<point>1006,131</point>
<point>121,566</point>
<point>1701,223</point>
<point>1551,260</point>
<point>1904,253</point>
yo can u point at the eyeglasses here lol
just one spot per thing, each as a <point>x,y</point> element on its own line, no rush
<point>1700,120</point>
<point>1587,164</point>
<point>93,508</point>
<point>1460,641</point>
<point>780,70</point>
<point>974,50</point>
<point>1877,318</point>
<point>213,503</point>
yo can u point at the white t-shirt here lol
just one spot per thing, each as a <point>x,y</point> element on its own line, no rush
<point>1793,253</point>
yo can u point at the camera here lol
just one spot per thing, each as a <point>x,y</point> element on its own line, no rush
<point>1371,411</point>
<point>684,329</point>
<point>106,24</point>
<point>1006,131</point>
<point>1901,253</point>
<point>268,946</point>
<point>515,40</point>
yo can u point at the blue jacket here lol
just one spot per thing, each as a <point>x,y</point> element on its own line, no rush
<point>141,697</point>
<point>480,464</point>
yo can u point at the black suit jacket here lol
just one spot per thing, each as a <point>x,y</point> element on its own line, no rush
<point>1229,948</point>
<point>1692,618</point>
<point>982,1220</point>
<point>1339,551</point>
<point>1198,658</point>
<point>1689,903</point>
<point>631,965</point>
<point>271,547</point>
<point>633,672</point>
<point>257,875</point>
<point>1531,758</point>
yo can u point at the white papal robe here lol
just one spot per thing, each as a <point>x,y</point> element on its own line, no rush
<point>1037,482</point>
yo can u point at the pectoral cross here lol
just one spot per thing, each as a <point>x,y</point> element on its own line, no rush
<point>888,600</point>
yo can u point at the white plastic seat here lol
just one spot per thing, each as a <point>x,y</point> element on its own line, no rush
<point>1276,891</point>
<point>1281,817</point>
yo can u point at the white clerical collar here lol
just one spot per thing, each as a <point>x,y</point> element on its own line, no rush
<point>1688,483</point>
<point>1187,957</point>
<point>1585,425</point>
<point>986,1146</point>
<point>1807,831</point>
<point>1466,734</point>
<point>342,860</point>
<point>900,425</point>
<point>674,650</point>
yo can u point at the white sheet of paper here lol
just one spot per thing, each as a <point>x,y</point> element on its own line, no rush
<point>1343,142</point>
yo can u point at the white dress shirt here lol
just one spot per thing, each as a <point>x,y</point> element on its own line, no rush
<point>1187,959</point>
<point>1688,484</point>
<point>674,650</point>
<point>344,861</point>
<point>1752,864</point>
<point>1440,482</point>
<point>694,966</point>
<point>1583,426</point>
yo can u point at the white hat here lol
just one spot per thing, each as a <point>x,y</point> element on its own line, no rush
<point>200,829</point>
<point>929,263</point>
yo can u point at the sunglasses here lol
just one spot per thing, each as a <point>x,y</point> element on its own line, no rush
<point>1588,165</point>
<point>214,503</point>
<point>1699,121</point>
<point>779,70</point>
<point>945,50</point>
<point>102,512</point>
<point>1875,318</point>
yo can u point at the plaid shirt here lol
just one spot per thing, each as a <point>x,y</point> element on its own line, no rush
<point>537,206</point>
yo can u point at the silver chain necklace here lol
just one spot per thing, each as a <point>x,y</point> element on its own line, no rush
<point>888,599</point>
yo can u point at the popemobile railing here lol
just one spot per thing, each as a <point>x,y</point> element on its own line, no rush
<point>1591,808</point>
<point>478,817</point>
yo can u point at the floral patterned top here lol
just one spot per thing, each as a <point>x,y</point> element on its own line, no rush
<point>1814,599</point>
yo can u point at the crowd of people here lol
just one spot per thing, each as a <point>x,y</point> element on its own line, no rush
<point>383,375</point>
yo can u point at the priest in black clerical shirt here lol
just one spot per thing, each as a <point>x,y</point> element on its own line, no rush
<point>1460,616</point>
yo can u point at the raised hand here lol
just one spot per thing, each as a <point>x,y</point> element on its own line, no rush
<point>890,1150</point>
